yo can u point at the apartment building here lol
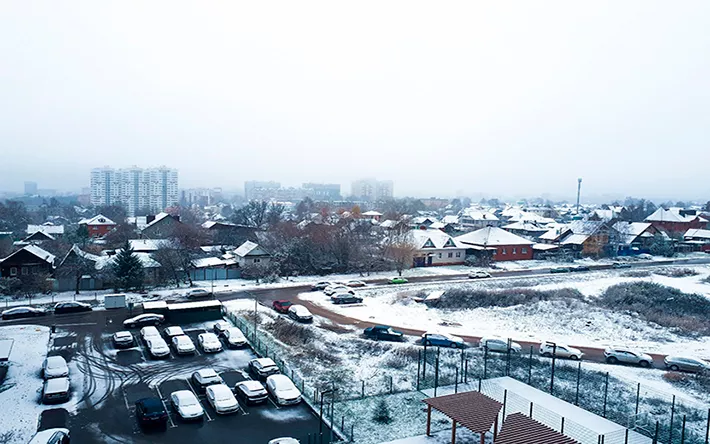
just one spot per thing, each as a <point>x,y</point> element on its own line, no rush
<point>136,189</point>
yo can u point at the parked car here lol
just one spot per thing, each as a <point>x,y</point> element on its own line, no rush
<point>149,332</point>
<point>442,340</point>
<point>345,298</point>
<point>170,332</point>
<point>198,293</point>
<point>186,405</point>
<point>281,306</point>
<point>123,339</point>
<point>547,349</point>
<point>356,284</point>
<point>143,320</point>
<point>205,377</point>
<point>479,275</point>
<point>285,441</point>
<point>150,412</point>
<point>55,390</point>
<point>645,256</point>
<point>262,368</point>
<point>283,390</point>
<point>398,280</point>
<point>209,342</point>
<point>51,436</point>
<point>251,392</point>
<point>183,345</point>
<point>22,312</point>
<point>54,367</point>
<point>331,290</point>
<point>580,268</point>
<point>615,355</point>
<point>500,345</point>
<point>157,347</point>
<point>221,399</point>
<point>220,327</point>
<point>383,333</point>
<point>300,313</point>
<point>320,286</point>
<point>234,337</point>
<point>560,270</point>
<point>686,364</point>
<point>620,265</point>
<point>71,307</point>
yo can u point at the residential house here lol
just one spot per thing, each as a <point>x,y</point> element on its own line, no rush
<point>98,226</point>
<point>586,238</point>
<point>375,215</point>
<point>149,245</point>
<point>676,221</point>
<point>36,238</point>
<point>47,228</point>
<point>471,219</point>
<point>229,233</point>
<point>700,239</point>
<point>634,237</point>
<point>215,268</point>
<point>27,262</point>
<point>421,222</point>
<point>502,245</point>
<point>250,253</point>
<point>434,247</point>
<point>527,229</point>
<point>161,226</point>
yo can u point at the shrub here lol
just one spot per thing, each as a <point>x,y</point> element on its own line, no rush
<point>471,298</point>
<point>382,412</point>
<point>290,333</point>
<point>637,274</point>
<point>676,272</point>
<point>675,377</point>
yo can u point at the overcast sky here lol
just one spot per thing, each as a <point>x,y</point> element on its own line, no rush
<point>502,98</point>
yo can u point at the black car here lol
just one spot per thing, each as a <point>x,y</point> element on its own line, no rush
<point>580,268</point>
<point>144,320</point>
<point>71,307</point>
<point>150,412</point>
<point>251,392</point>
<point>345,298</point>
<point>383,333</point>
<point>22,312</point>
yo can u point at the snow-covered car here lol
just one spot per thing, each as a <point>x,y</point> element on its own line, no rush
<point>251,392</point>
<point>262,368</point>
<point>220,327</point>
<point>209,342</point>
<point>186,405</point>
<point>55,390</point>
<point>479,275</point>
<point>618,265</point>
<point>686,364</point>
<point>71,307</point>
<point>547,349</point>
<point>234,337</point>
<point>123,339</point>
<point>157,347</point>
<point>51,436</point>
<point>300,313</point>
<point>284,441</point>
<point>22,312</point>
<point>615,355</point>
<point>170,332</point>
<point>222,399</point>
<point>143,320</point>
<point>149,333</point>
<point>500,345</point>
<point>54,367</point>
<point>320,286</point>
<point>356,284</point>
<point>440,339</point>
<point>201,379</point>
<point>332,289</point>
<point>183,345</point>
<point>283,390</point>
<point>198,293</point>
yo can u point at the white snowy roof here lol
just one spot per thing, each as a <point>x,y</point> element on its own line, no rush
<point>249,248</point>
<point>527,226</point>
<point>437,225</point>
<point>575,239</point>
<point>544,247</point>
<point>475,214</point>
<point>426,239</point>
<point>158,218</point>
<point>372,213</point>
<point>97,220</point>
<point>36,251</point>
<point>146,260</point>
<point>47,228</point>
<point>492,237</point>
<point>388,223</point>
<point>207,262</point>
<point>211,223</point>
<point>450,219</point>
<point>149,245</point>
<point>671,215</point>
<point>554,233</point>
<point>697,233</point>
<point>629,231</point>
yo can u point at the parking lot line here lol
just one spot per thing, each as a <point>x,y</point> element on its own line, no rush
<point>167,410</point>
<point>273,403</point>
<point>76,325</point>
<point>189,384</point>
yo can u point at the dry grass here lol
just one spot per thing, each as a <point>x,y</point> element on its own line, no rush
<point>676,272</point>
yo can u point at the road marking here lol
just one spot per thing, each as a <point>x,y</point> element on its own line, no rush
<point>167,410</point>
<point>76,325</point>
<point>273,403</point>
<point>189,384</point>
<point>125,398</point>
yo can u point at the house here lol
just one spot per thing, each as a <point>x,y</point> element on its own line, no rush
<point>587,238</point>
<point>26,262</point>
<point>634,237</point>
<point>699,238</point>
<point>161,226</point>
<point>527,229</point>
<point>250,253</point>
<point>421,222</point>
<point>215,268</point>
<point>474,219</point>
<point>376,215</point>
<point>47,228</point>
<point>149,245</point>
<point>36,238</point>
<point>434,247</point>
<point>229,233</point>
<point>98,226</point>
<point>676,221</point>
<point>502,245</point>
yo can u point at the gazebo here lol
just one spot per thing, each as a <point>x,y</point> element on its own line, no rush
<point>520,429</point>
<point>473,410</point>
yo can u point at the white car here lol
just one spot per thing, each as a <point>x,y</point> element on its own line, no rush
<point>479,275</point>
<point>500,345</point>
<point>198,293</point>
<point>149,333</point>
<point>54,367</point>
<point>123,339</point>
<point>332,289</point>
<point>206,377</point>
<point>615,355</point>
<point>55,390</point>
<point>283,390</point>
<point>170,332</point>
<point>51,436</point>
<point>209,342</point>
<point>157,347</point>
<point>285,441</point>
<point>183,345</point>
<point>222,399</point>
<point>300,313</point>
<point>547,349</point>
<point>186,405</point>
<point>220,327</point>
<point>234,337</point>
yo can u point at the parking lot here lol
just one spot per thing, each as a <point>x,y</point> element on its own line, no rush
<point>107,382</point>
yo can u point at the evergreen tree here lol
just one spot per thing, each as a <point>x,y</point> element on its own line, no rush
<point>382,413</point>
<point>127,269</point>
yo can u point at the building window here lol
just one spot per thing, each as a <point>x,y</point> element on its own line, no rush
<point>504,252</point>
<point>451,254</point>
<point>515,250</point>
<point>439,255</point>
<point>25,271</point>
<point>13,271</point>
<point>524,250</point>
<point>458,254</point>
<point>256,261</point>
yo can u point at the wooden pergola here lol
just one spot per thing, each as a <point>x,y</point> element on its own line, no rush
<point>520,429</point>
<point>473,410</point>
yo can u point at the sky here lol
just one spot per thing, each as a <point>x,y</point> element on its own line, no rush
<point>444,98</point>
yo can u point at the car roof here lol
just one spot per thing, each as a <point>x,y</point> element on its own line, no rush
<point>207,373</point>
<point>184,395</point>
<point>279,379</point>
<point>12,310</point>
<point>56,384</point>
<point>265,361</point>
<point>151,403</point>
<point>144,315</point>
<point>208,335</point>
<point>56,360</point>
<point>250,384</point>
<point>123,334</point>
<point>219,388</point>
<point>183,338</point>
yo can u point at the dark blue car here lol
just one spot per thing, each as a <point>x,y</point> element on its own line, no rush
<point>442,340</point>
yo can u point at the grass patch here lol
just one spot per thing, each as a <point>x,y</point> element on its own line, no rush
<point>470,298</point>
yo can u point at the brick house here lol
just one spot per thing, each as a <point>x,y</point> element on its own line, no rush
<point>98,226</point>
<point>698,238</point>
<point>676,221</point>
<point>504,246</point>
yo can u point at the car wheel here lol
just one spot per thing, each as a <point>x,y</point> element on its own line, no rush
<point>675,368</point>
<point>453,345</point>
<point>612,360</point>
<point>427,343</point>
<point>644,364</point>
<point>574,358</point>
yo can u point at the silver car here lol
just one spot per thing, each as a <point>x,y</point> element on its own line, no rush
<point>686,364</point>
<point>500,345</point>
<point>616,355</point>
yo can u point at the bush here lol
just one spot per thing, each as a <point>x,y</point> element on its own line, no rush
<point>382,412</point>
<point>637,274</point>
<point>676,272</point>
<point>290,332</point>
<point>469,298</point>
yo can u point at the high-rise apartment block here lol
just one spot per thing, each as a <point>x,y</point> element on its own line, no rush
<point>30,188</point>
<point>136,189</point>
<point>260,190</point>
<point>372,190</point>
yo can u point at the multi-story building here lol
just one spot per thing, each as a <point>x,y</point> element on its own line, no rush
<point>136,189</point>
<point>372,190</point>
<point>257,189</point>
<point>322,191</point>
<point>30,188</point>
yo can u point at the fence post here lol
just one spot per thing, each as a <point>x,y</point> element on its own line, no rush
<point>638,397</point>
<point>352,432</point>
<point>505,401</point>
<point>670,428</point>
<point>391,384</point>
<point>626,436</point>
<point>507,361</point>
<point>479,384</point>
<point>576,395</point>
<point>552,374</point>
<point>655,434</point>
<point>606,391</point>
<point>562,426</point>
<point>531,410</point>
<point>682,432</point>
<point>465,373</point>
<point>424,363</point>
<point>456,385</point>
<point>485,361</point>
<point>530,366</point>
<point>462,360</point>
<point>419,367</point>
<point>342,423</point>
<point>363,389</point>
<point>707,429</point>
<point>436,376</point>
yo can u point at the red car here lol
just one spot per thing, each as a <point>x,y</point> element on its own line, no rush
<point>282,306</point>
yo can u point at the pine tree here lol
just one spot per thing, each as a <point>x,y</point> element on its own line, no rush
<point>127,269</point>
<point>382,413</point>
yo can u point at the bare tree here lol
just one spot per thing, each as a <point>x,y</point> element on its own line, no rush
<point>400,248</point>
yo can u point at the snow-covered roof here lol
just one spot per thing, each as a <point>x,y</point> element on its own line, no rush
<point>587,227</point>
<point>474,214</point>
<point>97,220</point>
<point>629,231</point>
<point>149,245</point>
<point>158,218</point>
<point>372,214</point>
<point>450,219</point>
<point>554,233</point>
<point>437,225</point>
<point>697,234</point>
<point>670,215</point>
<point>39,236</point>
<point>211,223</point>
<point>575,239</point>
<point>36,251</point>
<point>249,248</point>
<point>207,262</point>
<point>146,260</point>
<point>527,226</point>
<point>389,223</point>
<point>544,247</point>
<point>47,228</point>
<point>492,237</point>
<point>433,239</point>
<point>81,253</point>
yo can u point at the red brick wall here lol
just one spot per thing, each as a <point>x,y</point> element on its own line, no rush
<point>513,253</point>
<point>99,230</point>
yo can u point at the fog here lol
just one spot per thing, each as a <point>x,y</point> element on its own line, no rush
<point>500,98</point>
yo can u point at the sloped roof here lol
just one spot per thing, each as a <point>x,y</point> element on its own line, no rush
<point>37,235</point>
<point>697,233</point>
<point>520,429</point>
<point>99,219</point>
<point>450,219</point>
<point>35,251</point>
<point>526,226</point>
<point>473,410</point>
<point>146,260</point>
<point>388,223</point>
<point>629,231</point>
<point>492,237</point>
<point>372,213</point>
<point>149,245</point>
<point>672,215</point>
<point>249,248</point>
<point>477,215</point>
<point>588,227</point>
<point>47,228</point>
<point>554,233</point>
<point>158,218</point>
<point>425,239</point>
